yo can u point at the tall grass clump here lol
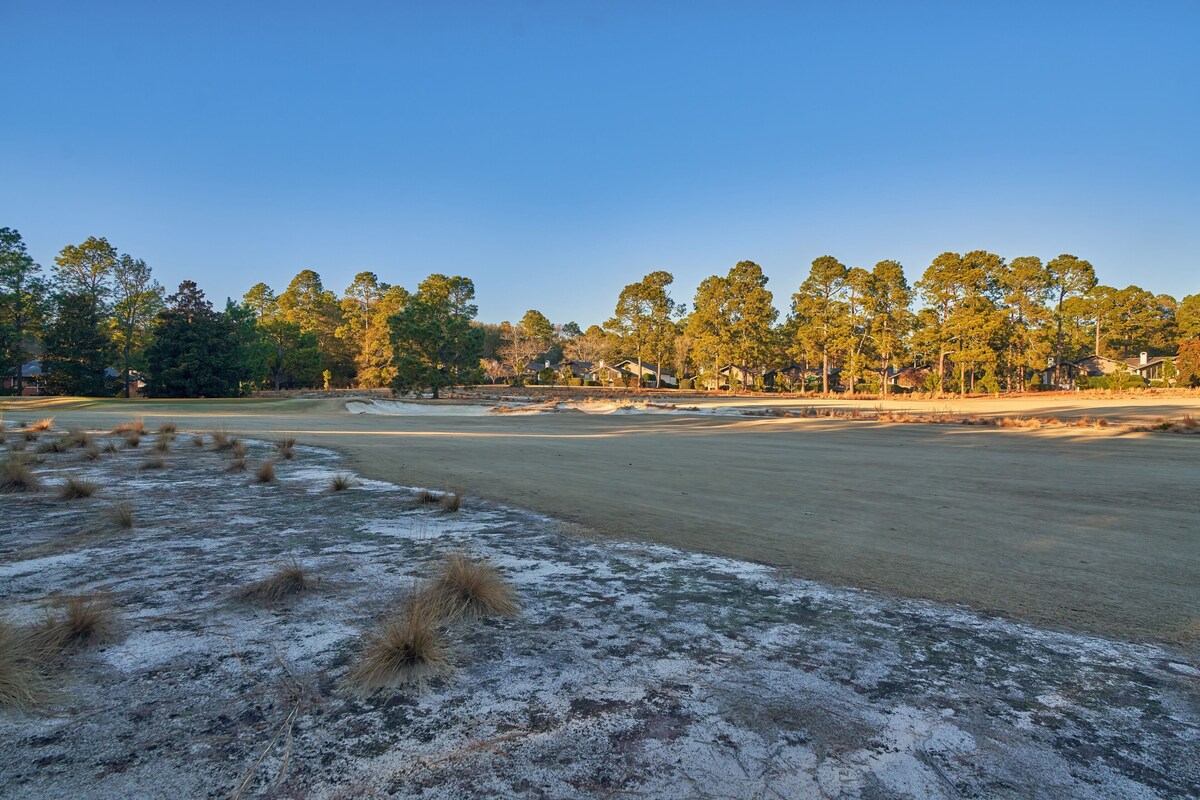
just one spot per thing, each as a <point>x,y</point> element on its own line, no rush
<point>465,587</point>
<point>42,424</point>
<point>286,447</point>
<point>280,585</point>
<point>121,515</point>
<point>451,502</point>
<point>127,427</point>
<point>17,476</point>
<point>167,428</point>
<point>82,621</point>
<point>339,483</point>
<point>265,472</point>
<point>76,489</point>
<point>162,444</point>
<point>133,438</point>
<point>407,648</point>
<point>23,657</point>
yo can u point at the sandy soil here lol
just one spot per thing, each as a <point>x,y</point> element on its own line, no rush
<point>633,670</point>
<point>1079,529</point>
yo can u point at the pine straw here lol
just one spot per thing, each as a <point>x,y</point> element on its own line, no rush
<point>265,472</point>
<point>76,489</point>
<point>465,587</point>
<point>121,515</point>
<point>24,653</point>
<point>83,620</point>
<point>282,584</point>
<point>341,482</point>
<point>17,476</point>
<point>410,647</point>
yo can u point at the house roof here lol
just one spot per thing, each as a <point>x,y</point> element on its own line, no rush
<point>645,366</point>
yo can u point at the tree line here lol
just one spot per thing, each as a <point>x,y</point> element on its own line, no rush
<point>97,320</point>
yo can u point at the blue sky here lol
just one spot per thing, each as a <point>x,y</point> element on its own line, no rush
<point>554,151</point>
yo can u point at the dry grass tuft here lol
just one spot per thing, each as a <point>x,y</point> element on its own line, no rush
<point>162,444</point>
<point>451,502</point>
<point>130,427</point>
<point>17,476</point>
<point>42,424</point>
<point>197,441</point>
<point>57,446</point>
<point>84,621</point>
<point>236,465</point>
<point>23,656</point>
<point>428,498</point>
<point>341,482</point>
<point>1189,422</point>
<point>121,515</point>
<point>408,648</point>
<point>111,447</point>
<point>30,436</point>
<point>167,427</point>
<point>133,438</point>
<point>286,443</point>
<point>265,472</point>
<point>220,440</point>
<point>152,463</point>
<point>237,448</point>
<point>287,453</point>
<point>466,587</point>
<point>76,489</point>
<point>92,452</point>
<point>285,582</point>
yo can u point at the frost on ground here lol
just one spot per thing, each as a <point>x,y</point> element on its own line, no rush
<point>633,671</point>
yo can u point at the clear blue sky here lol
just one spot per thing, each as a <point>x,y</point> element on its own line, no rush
<point>554,151</point>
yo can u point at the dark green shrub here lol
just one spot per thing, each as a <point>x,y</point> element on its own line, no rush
<point>574,381</point>
<point>687,383</point>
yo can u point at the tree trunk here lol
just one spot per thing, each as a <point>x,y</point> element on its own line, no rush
<point>824,371</point>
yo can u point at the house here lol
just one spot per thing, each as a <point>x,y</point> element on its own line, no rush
<point>910,377</point>
<point>32,380</point>
<point>610,374</point>
<point>795,377</point>
<point>647,372</point>
<point>1151,369</point>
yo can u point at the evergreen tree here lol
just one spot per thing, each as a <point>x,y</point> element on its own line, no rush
<point>77,351</point>
<point>195,352</point>
<point>24,296</point>
<point>435,344</point>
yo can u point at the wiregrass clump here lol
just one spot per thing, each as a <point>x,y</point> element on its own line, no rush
<point>17,476</point>
<point>133,438</point>
<point>162,444</point>
<point>410,647</point>
<point>136,426</point>
<point>428,498</point>
<point>121,515</point>
<point>341,482</point>
<point>236,465</point>
<point>286,448</point>
<point>42,424</point>
<point>152,463</point>
<point>91,451</point>
<point>220,440</point>
<point>466,587</point>
<point>23,668</point>
<point>77,489</point>
<point>166,428</point>
<point>265,472</point>
<point>283,583</point>
<point>451,502</point>
<point>82,621</point>
<point>236,448</point>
